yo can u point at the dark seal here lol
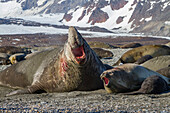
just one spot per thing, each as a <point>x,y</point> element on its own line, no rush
<point>127,77</point>
<point>152,85</point>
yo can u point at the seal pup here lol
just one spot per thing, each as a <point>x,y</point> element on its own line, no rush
<point>157,63</point>
<point>152,85</point>
<point>134,54</point>
<point>74,67</point>
<point>127,77</point>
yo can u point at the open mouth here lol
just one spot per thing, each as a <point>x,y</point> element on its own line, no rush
<point>79,54</point>
<point>106,81</point>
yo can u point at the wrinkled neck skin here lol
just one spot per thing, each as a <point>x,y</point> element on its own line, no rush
<point>88,66</point>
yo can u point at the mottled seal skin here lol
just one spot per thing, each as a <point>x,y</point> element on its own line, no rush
<point>164,71</point>
<point>127,77</point>
<point>74,67</point>
<point>152,85</point>
<point>143,59</point>
<point>134,54</point>
<point>102,53</point>
<point>157,63</point>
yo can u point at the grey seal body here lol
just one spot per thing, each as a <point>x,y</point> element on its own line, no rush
<point>127,77</point>
<point>72,67</point>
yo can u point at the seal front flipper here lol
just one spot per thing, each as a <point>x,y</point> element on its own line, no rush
<point>29,90</point>
<point>20,91</point>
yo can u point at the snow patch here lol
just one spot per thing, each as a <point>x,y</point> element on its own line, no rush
<point>151,5</point>
<point>141,19</point>
<point>165,5</point>
<point>10,8</point>
<point>148,19</point>
<point>19,29</point>
<point>45,18</point>
<point>108,1</point>
<point>113,15</point>
<point>167,22</point>
<point>61,1</point>
<point>40,2</point>
<point>17,39</point>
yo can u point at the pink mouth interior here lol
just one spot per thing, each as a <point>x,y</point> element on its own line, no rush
<point>106,80</point>
<point>79,53</point>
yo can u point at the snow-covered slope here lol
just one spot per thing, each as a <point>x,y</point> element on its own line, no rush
<point>146,16</point>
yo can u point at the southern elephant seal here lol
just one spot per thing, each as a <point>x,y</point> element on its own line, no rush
<point>12,50</point>
<point>157,63</point>
<point>133,55</point>
<point>152,85</point>
<point>15,58</point>
<point>103,53</point>
<point>164,71</point>
<point>131,45</point>
<point>143,59</point>
<point>74,67</point>
<point>127,77</point>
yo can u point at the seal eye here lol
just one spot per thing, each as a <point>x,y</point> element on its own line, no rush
<point>79,54</point>
<point>106,80</point>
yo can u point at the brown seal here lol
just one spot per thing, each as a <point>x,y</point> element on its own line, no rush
<point>152,85</point>
<point>143,59</point>
<point>126,78</point>
<point>134,54</point>
<point>102,53</point>
<point>11,50</point>
<point>74,67</point>
<point>157,63</point>
<point>130,45</point>
<point>164,71</point>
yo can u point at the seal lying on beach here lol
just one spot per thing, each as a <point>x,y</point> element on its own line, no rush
<point>133,55</point>
<point>152,85</point>
<point>126,78</point>
<point>157,63</point>
<point>74,67</point>
<point>11,50</point>
<point>143,59</point>
<point>164,71</point>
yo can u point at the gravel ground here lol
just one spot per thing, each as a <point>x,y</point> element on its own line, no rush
<point>81,101</point>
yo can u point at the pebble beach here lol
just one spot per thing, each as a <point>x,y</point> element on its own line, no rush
<point>85,101</point>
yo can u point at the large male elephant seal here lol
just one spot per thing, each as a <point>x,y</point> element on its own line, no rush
<point>133,55</point>
<point>157,63</point>
<point>74,67</point>
<point>127,77</point>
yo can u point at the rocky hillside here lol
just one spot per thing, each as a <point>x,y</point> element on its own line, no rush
<point>137,16</point>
